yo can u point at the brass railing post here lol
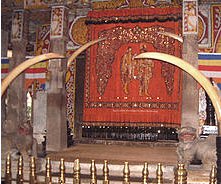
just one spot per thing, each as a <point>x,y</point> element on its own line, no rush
<point>48,178</point>
<point>20,171</point>
<point>93,173</point>
<point>77,172</point>
<point>62,172</point>
<point>159,174</point>
<point>213,175</point>
<point>32,176</point>
<point>105,172</point>
<point>126,173</point>
<point>145,173</point>
<point>180,174</point>
<point>8,174</point>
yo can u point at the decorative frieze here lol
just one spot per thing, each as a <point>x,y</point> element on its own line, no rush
<point>57,21</point>
<point>17,25</point>
<point>190,17</point>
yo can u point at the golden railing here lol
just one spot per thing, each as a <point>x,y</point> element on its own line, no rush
<point>180,173</point>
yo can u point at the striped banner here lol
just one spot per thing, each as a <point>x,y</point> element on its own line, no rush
<point>210,65</point>
<point>4,67</point>
<point>37,73</point>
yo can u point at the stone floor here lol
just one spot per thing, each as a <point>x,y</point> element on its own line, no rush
<point>118,154</point>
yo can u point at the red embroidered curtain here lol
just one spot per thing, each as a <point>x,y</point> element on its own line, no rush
<point>123,91</point>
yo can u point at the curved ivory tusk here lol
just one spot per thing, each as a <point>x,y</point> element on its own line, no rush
<point>172,35</point>
<point>23,66</point>
<point>81,49</point>
<point>196,74</point>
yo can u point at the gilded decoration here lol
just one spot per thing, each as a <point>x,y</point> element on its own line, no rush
<point>204,30</point>
<point>78,31</point>
<point>134,105</point>
<point>70,93</point>
<point>216,27</point>
<point>114,4</point>
<point>43,40</point>
<point>119,36</point>
<point>140,69</point>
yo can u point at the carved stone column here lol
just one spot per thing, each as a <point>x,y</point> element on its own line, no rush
<point>56,136</point>
<point>17,97</point>
<point>4,49</point>
<point>190,94</point>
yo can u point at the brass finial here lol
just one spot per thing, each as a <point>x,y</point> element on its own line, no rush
<point>213,175</point>
<point>77,172</point>
<point>126,173</point>
<point>180,174</point>
<point>8,174</point>
<point>62,172</point>
<point>93,173</point>
<point>159,174</point>
<point>106,172</point>
<point>145,173</point>
<point>32,176</point>
<point>20,171</point>
<point>48,178</point>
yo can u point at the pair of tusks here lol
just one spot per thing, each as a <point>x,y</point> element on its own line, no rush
<point>199,77</point>
<point>26,64</point>
<point>195,73</point>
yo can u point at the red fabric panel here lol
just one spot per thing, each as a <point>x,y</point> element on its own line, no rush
<point>105,97</point>
<point>134,12</point>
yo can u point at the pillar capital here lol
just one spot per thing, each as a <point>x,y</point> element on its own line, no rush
<point>19,31</point>
<point>190,17</point>
<point>59,22</point>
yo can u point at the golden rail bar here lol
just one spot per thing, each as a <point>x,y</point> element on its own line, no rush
<point>180,173</point>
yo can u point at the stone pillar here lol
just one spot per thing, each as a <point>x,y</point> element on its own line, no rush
<point>190,105</point>
<point>56,136</point>
<point>16,112</point>
<point>4,50</point>
<point>39,116</point>
<point>190,94</point>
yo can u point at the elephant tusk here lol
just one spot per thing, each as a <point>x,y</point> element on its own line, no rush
<point>172,35</point>
<point>23,66</point>
<point>195,73</point>
<point>81,49</point>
